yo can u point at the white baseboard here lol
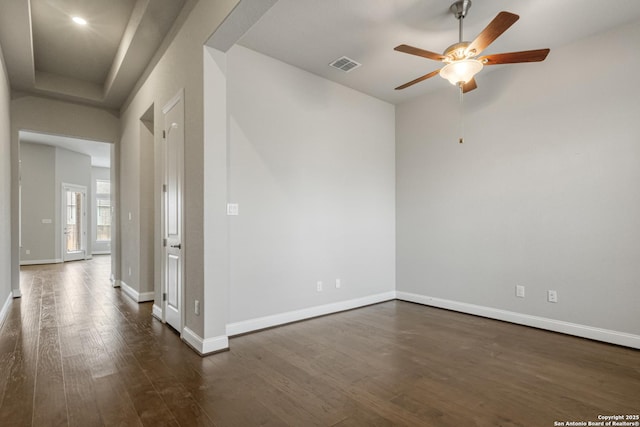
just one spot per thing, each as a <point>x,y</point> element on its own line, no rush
<point>16,293</point>
<point>157,312</point>
<point>207,345</point>
<point>101,253</point>
<point>146,296</point>
<point>5,309</point>
<point>40,261</point>
<point>251,325</point>
<point>135,295</point>
<point>598,334</point>
<point>128,290</point>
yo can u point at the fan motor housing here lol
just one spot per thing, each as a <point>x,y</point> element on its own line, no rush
<point>457,51</point>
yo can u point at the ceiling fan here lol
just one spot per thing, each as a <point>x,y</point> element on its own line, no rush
<point>461,59</point>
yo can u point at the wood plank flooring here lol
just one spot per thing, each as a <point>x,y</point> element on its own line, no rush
<point>76,352</point>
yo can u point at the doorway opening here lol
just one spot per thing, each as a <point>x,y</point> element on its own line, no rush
<point>74,215</point>
<point>61,217</point>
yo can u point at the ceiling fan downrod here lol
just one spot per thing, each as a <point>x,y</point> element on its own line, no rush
<point>459,10</point>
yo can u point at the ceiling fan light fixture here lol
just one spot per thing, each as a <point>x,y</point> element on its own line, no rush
<point>462,71</point>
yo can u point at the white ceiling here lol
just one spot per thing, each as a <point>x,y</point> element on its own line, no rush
<point>100,152</point>
<point>46,53</point>
<point>98,64</point>
<point>310,34</point>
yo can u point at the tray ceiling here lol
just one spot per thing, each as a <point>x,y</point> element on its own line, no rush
<point>98,63</point>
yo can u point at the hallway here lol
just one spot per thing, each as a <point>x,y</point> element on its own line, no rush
<point>75,351</point>
<point>83,352</point>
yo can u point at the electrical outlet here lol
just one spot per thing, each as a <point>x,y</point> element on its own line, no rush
<point>319,286</point>
<point>552,296</point>
<point>338,283</point>
<point>520,291</point>
<point>27,251</point>
<point>196,307</point>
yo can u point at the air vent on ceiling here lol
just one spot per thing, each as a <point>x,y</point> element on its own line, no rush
<point>345,64</point>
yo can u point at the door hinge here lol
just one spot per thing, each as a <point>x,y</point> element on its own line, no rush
<point>164,297</point>
<point>164,188</point>
<point>164,134</point>
<point>164,242</point>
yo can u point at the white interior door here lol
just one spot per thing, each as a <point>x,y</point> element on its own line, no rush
<point>74,222</point>
<point>173,258</point>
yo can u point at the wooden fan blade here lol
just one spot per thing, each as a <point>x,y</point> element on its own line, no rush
<point>515,57</point>
<point>418,80</point>
<point>499,25</point>
<point>469,86</point>
<point>419,52</point>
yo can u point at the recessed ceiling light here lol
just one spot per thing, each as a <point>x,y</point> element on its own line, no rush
<point>80,21</point>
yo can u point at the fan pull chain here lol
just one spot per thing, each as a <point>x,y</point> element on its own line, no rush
<point>461,120</point>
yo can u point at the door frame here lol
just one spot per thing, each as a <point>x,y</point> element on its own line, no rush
<point>63,209</point>
<point>163,214</point>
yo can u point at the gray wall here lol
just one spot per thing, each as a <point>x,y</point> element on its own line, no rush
<point>181,66</point>
<point>543,193</point>
<point>43,171</point>
<point>312,167</point>
<point>73,168</point>
<point>137,217</point>
<point>38,179</point>
<point>5,188</point>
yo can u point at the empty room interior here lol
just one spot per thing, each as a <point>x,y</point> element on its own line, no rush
<point>305,212</point>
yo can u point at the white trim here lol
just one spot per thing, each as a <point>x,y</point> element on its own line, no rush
<point>5,309</point>
<point>251,325</point>
<point>173,101</point>
<point>40,261</point>
<point>135,295</point>
<point>599,334</point>
<point>16,293</point>
<point>204,346</point>
<point>146,296</point>
<point>74,256</point>
<point>157,312</point>
<point>116,283</point>
<point>129,291</point>
<point>101,252</point>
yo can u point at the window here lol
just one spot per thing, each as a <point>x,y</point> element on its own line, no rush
<point>103,188</point>
<point>103,214</point>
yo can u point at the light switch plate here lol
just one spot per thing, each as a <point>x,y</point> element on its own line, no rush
<point>233,209</point>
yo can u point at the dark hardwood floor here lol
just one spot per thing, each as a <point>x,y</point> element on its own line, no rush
<point>74,351</point>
